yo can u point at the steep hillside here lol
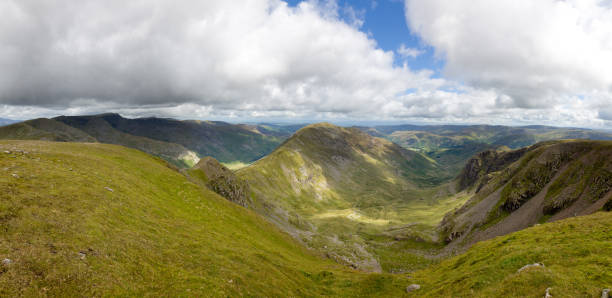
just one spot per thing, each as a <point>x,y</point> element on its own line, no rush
<point>576,254</point>
<point>223,141</point>
<point>127,224</point>
<point>516,189</point>
<point>218,178</point>
<point>351,195</point>
<point>44,129</point>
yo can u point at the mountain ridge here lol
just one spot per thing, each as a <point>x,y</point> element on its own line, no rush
<point>514,190</point>
<point>334,188</point>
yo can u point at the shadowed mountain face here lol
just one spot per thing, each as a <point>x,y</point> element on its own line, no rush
<point>333,187</point>
<point>96,129</point>
<point>44,129</point>
<point>223,141</point>
<point>180,142</point>
<point>516,189</point>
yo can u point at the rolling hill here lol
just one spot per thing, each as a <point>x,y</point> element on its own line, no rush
<point>180,142</point>
<point>223,141</point>
<point>513,190</point>
<point>351,195</point>
<point>44,129</point>
<point>127,224</point>
<point>96,129</point>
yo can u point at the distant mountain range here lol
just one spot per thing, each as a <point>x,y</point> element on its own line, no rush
<point>83,218</point>
<point>4,121</point>
<point>180,142</point>
<point>452,145</point>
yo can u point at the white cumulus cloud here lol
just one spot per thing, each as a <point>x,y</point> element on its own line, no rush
<point>231,57</point>
<point>538,54</point>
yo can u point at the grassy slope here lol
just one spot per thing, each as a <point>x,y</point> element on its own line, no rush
<point>576,252</point>
<point>350,195</point>
<point>156,232</point>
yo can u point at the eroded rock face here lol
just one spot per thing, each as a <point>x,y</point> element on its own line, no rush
<point>222,180</point>
<point>513,190</point>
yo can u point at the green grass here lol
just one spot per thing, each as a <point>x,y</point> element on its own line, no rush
<point>577,254</point>
<point>155,233</point>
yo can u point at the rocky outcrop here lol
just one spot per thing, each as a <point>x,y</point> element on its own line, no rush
<point>486,162</point>
<point>514,190</point>
<point>221,180</point>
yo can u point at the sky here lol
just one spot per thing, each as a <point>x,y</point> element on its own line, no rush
<point>510,62</point>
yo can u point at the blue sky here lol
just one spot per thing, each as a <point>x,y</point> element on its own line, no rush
<point>385,21</point>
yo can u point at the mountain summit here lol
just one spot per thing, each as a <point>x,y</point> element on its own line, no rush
<point>326,182</point>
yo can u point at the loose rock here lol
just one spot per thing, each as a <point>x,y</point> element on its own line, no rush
<point>412,287</point>
<point>605,293</point>
<point>548,295</point>
<point>109,189</point>
<point>15,175</point>
<point>7,262</point>
<point>82,255</point>
<point>530,266</point>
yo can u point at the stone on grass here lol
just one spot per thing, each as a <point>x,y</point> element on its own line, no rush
<point>534,265</point>
<point>7,262</point>
<point>412,287</point>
